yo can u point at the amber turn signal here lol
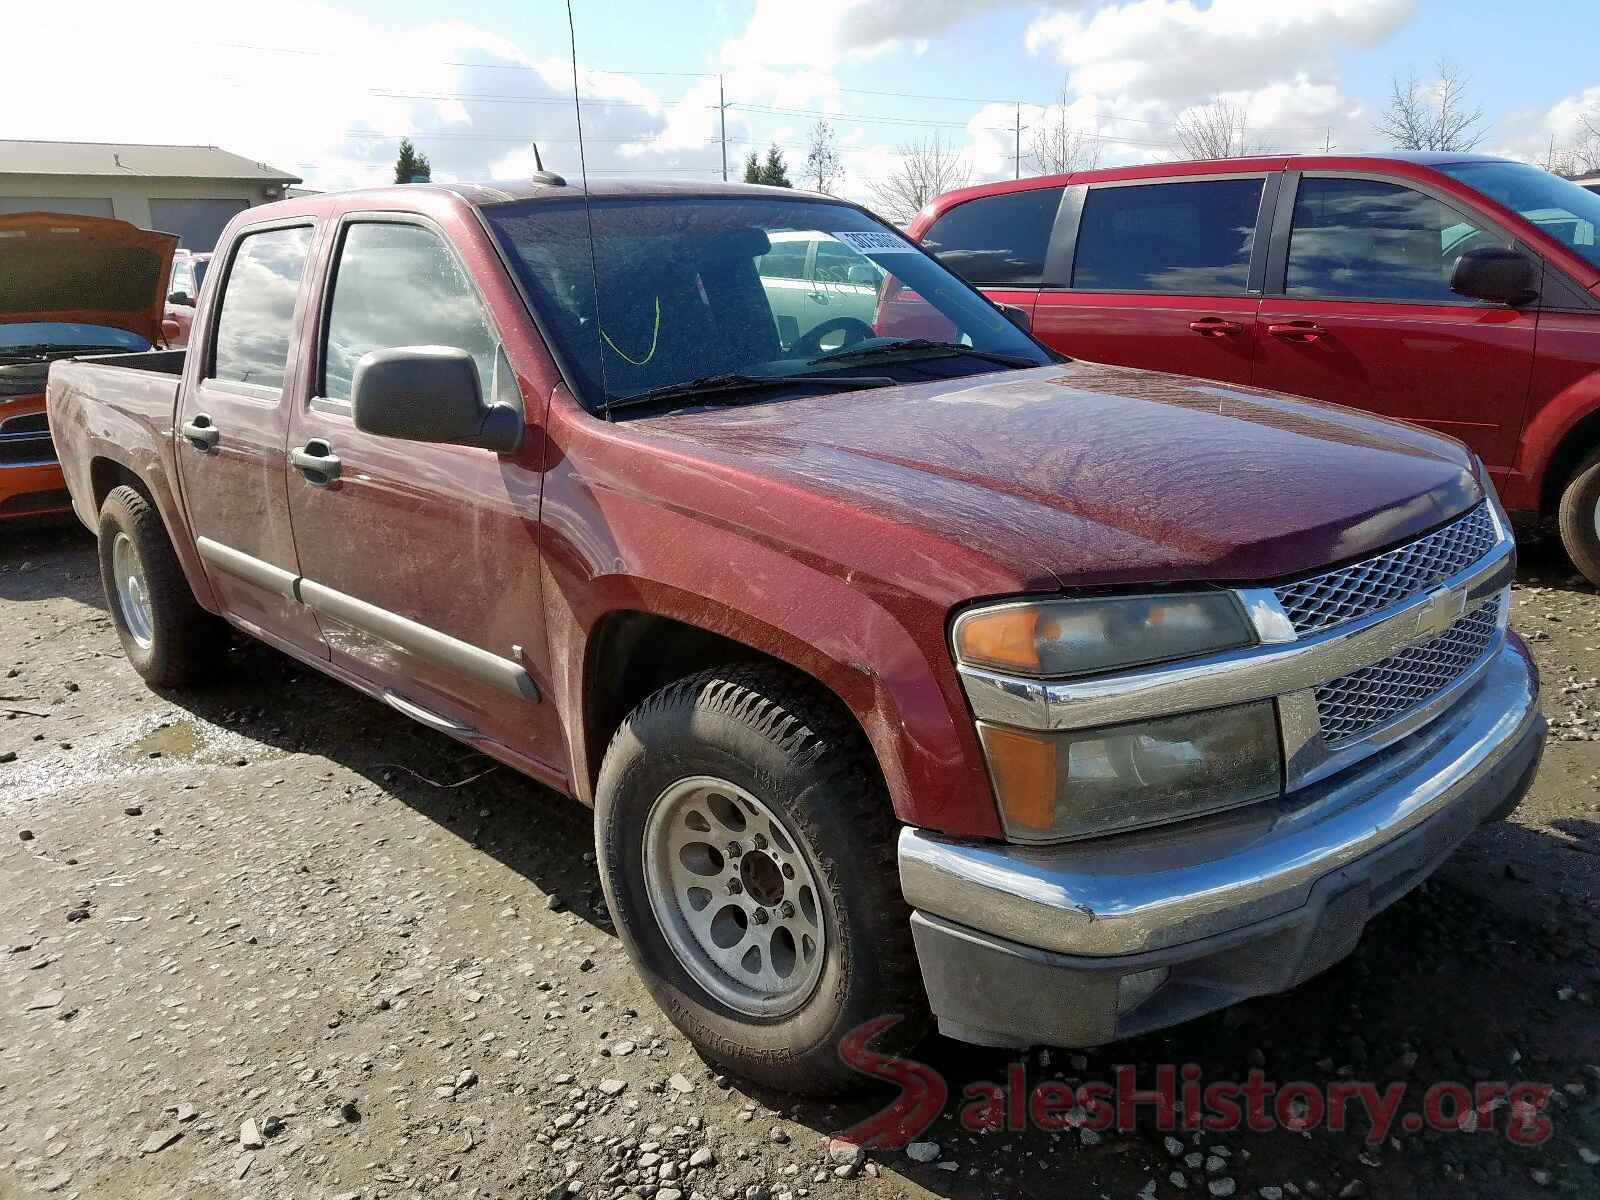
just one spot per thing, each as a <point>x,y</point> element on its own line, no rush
<point>1003,638</point>
<point>1024,771</point>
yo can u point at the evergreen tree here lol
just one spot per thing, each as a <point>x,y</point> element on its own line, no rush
<point>411,167</point>
<point>752,170</point>
<point>774,171</point>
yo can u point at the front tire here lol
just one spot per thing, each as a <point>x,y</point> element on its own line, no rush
<point>168,638</point>
<point>747,852</point>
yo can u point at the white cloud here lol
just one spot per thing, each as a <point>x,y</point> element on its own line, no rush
<point>1530,134</point>
<point>1175,50</point>
<point>335,118</point>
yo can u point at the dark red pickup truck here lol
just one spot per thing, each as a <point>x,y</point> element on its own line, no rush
<point>919,677</point>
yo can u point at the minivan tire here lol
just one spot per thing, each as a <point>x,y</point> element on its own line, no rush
<point>1577,518</point>
<point>168,638</point>
<point>799,787</point>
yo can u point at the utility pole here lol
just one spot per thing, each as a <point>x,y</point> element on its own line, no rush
<point>722,111</point>
<point>1019,140</point>
<point>1327,139</point>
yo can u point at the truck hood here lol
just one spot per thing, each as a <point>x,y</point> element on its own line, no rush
<point>86,270</point>
<point>1081,474</point>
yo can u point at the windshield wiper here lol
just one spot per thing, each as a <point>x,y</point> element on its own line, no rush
<point>722,388</point>
<point>922,348</point>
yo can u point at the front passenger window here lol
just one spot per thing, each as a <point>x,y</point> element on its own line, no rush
<point>399,285</point>
<point>1363,239</point>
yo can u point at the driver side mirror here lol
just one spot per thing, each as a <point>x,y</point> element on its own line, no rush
<point>430,394</point>
<point>182,298</point>
<point>1018,316</point>
<point>1496,274</point>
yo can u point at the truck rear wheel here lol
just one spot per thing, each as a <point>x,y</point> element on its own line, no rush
<point>747,851</point>
<point>1579,518</point>
<point>168,638</point>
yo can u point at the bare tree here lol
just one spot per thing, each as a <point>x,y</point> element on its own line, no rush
<point>1219,129</point>
<point>926,169</point>
<point>1585,151</point>
<point>1434,114</point>
<point>824,166</point>
<point>1059,146</point>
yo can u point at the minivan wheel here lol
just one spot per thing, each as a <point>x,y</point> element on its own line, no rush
<point>1579,518</point>
<point>747,852</point>
<point>168,638</point>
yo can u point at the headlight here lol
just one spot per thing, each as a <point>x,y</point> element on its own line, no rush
<point>1056,638</point>
<point>1057,786</point>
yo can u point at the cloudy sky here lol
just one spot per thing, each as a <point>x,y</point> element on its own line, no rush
<point>326,89</point>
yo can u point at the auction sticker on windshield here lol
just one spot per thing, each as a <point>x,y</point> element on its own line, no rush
<point>872,241</point>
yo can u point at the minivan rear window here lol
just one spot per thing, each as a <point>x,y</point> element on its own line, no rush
<point>1188,238</point>
<point>997,241</point>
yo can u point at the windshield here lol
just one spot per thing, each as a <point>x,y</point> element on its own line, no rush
<point>703,288</point>
<point>27,348</point>
<point>1559,207</point>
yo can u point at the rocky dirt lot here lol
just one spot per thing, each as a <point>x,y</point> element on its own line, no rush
<point>271,940</point>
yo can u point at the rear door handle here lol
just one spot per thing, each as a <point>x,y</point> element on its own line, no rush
<point>1297,331</point>
<point>1215,327</point>
<point>202,434</point>
<point>316,461</point>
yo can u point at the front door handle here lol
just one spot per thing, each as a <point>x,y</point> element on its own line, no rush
<point>316,461</point>
<point>202,434</point>
<point>1297,331</point>
<point>1216,327</point>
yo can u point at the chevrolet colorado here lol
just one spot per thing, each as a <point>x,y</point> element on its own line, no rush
<point>934,677</point>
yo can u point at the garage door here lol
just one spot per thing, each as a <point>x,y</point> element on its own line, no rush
<point>198,223</point>
<point>78,206</point>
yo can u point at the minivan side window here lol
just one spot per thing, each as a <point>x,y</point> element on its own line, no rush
<point>1186,238</point>
<point>399,285</point>
<point>1364,239</point>
<point>997,241</point>
<point>256,316</point>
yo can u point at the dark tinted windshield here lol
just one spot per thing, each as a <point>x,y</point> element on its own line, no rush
<point>1559,207</point>
<point>690,288</point>
<point>68,335</point>
<point>27,347</point>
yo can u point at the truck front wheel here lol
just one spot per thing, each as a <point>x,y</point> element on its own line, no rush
<point>747,851</point>
<point>168,638</point>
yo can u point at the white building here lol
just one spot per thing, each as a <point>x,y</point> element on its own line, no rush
<point>192,191</point>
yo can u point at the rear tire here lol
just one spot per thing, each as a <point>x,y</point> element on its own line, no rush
<point>1579,518</point>
<point>798,852</point>
<point>168,638</point>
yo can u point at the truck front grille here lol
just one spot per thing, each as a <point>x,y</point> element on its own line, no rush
<point>1363,588</point>
<point>1354,705</point>
<point>25,441</point>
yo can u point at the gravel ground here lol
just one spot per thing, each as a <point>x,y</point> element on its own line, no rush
<point>272,940</point>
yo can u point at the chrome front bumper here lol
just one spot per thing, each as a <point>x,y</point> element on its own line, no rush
<point>1245,902</point>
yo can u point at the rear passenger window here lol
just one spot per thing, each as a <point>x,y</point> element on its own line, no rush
<point>997,241</point>
<point>399,285</point>
<point>1188,238</point>
<point>256,316</point>
<point>1362,239</point>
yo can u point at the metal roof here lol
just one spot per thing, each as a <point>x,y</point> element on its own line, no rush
<point>120,159</point>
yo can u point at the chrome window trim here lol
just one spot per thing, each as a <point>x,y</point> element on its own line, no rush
<point>1271,669</point>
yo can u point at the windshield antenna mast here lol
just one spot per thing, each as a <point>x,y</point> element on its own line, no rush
<point>588,212</point>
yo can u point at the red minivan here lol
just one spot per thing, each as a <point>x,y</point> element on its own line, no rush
<point>1459,292</point>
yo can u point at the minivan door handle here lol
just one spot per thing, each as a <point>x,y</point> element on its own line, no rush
<point>1297,331</point>
<point>316,461</point>
<point>1216,327</point>
<point>202,434</point>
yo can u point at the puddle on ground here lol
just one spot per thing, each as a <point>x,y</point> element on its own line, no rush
<point>179,740</point>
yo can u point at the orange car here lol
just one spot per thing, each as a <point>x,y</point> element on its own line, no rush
<point>68,285</point>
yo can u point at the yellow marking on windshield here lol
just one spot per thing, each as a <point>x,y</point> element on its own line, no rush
<point>654,335</point>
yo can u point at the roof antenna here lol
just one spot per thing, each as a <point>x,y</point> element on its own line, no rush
<point>588,210</point>
<point>540,175</point>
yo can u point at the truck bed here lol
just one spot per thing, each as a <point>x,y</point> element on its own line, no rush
<point>117,408</point>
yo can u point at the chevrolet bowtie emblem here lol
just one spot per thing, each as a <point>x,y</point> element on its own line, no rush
<point>1439,611</point>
